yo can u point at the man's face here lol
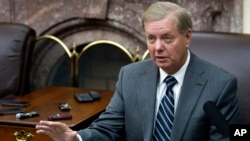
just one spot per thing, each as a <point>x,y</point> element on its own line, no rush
<point>166,45</point>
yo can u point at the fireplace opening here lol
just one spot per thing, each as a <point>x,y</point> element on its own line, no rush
<point>52,66</point>
<point>98,67</point>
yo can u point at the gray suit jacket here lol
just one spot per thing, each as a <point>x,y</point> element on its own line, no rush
<point>130,113</point>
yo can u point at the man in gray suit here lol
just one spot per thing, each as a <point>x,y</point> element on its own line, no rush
<point>133,111</point>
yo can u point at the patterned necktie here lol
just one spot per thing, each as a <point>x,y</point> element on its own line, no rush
<point>165,115</point>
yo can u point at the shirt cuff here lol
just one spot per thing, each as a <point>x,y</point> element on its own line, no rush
<point>79,137</point>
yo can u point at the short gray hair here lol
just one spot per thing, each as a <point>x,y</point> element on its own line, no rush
<point>160,10</point>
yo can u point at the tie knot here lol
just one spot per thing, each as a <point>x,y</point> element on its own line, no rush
<point>170,81</point>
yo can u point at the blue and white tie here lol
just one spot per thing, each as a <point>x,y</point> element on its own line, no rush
<point>165,115</point>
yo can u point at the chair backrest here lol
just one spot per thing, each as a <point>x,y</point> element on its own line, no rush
<point>231,52</point>
<point>16,48</point>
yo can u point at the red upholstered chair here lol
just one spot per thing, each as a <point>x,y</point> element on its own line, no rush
<point>16,47</point>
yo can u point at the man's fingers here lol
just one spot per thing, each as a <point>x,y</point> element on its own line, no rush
<point>52,123</point>
<point>43,127</point>
<point>50,127</point>
<point>58,131</point>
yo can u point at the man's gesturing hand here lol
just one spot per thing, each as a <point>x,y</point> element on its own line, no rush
<point>58,131</point>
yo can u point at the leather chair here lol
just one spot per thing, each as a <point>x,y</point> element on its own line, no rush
<point>16,48</point>
<point>231,52</point>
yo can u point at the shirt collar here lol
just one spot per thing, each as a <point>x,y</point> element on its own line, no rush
<point>179,75</point>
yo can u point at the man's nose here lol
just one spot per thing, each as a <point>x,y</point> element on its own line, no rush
<point>158,45</point>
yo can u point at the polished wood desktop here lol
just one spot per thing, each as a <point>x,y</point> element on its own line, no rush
<point>46,101</point>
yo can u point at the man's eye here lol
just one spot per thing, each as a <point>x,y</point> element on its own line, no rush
<point>151,39</point>
<point>167,39</point>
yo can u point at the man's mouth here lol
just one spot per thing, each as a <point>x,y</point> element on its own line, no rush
<point>161,58</point>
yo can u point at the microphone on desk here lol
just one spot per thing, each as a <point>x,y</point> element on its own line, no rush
<point>26,115</point>
<point>216,118</point>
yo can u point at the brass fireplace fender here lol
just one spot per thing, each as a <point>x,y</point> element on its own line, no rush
<point>75,56</point>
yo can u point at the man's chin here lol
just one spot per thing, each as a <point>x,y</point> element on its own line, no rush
<point>161,65</point>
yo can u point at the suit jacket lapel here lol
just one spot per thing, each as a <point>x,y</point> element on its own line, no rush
<point>191,90</point>
<point>146,93</point>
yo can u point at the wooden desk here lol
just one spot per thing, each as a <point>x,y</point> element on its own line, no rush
<point>45,101</point>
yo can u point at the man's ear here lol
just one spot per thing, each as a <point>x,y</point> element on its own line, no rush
<point>188,37</point>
